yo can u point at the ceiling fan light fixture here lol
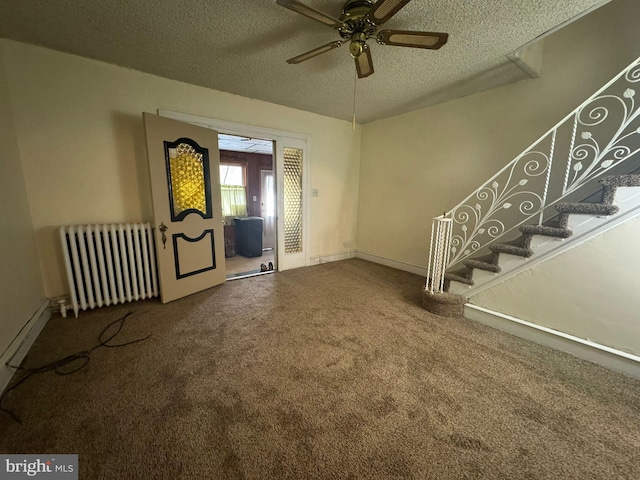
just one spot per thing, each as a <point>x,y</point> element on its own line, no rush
<point>357,44</point>
<point>355,49</point>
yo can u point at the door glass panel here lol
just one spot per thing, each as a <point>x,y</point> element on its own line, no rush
<point>292,200</point>
<point>187,168</point>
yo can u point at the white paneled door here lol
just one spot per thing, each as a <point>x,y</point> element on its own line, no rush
<point>184,166</point>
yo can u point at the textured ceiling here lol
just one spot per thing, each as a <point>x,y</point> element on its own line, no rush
<point>244,144</point>
<point>241,47</point>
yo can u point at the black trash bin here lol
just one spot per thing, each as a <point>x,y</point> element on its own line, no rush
<point>249,236</point>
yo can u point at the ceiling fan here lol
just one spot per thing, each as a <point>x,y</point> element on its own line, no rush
<point>358,23</point>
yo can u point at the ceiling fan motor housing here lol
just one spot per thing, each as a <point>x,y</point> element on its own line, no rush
<point>355,9</point>
<point>359,27</point>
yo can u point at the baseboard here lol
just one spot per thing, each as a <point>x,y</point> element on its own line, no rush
<point>398,265</point>
<point>22,343</point>
<point>585,349</point>
<point>332,257</point>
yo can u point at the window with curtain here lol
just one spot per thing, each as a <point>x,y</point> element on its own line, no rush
<point>232,189</point>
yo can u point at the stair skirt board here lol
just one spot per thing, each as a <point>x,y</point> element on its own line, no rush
<point>577,222</point>
<point>578,347</point>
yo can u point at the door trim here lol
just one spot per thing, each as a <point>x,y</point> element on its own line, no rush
<point>280,137</point>
<point>233,128</point>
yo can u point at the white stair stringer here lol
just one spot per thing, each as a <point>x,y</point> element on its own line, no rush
<point>584,227</point>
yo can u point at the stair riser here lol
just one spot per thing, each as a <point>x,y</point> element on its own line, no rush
<point>459,289</point>
<point>578,221</point>
<point>626,194</point>
<point>507,260</point>
<point>538,241</point>
<point>481,276</point>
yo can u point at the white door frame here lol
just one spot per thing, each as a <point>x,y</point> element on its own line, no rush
<point>280,137</point>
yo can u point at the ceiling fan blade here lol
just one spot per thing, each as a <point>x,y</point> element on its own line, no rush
<point>364,64</point>
<point>383,10</point>
<point>311,13</point>
<point>408,38</point>
<point>314,52</point>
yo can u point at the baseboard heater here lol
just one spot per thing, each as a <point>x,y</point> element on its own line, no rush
<point>109,264</point>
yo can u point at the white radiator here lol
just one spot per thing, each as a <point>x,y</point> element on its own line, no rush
<point>109,264</point>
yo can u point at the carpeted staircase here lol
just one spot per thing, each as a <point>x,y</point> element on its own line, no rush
<point>557,228</point>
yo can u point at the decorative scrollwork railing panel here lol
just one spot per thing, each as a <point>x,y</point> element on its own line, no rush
<point>509,195</point>
<point>607,131</point>
<point>599,135</point>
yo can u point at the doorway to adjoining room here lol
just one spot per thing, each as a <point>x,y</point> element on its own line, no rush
<point>248,205</point>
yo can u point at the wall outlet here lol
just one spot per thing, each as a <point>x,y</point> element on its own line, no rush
<point>314,192</point>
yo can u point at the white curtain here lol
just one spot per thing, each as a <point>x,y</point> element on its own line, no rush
<point>234,200</point>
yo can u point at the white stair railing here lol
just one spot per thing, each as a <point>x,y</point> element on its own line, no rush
<point>438,253</point>
<point>596,138</point>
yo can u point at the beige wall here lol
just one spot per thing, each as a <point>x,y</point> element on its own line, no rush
<point>80,133</point>
<point>21,292</point>
<point>417,165</point>
<point>590,291</point>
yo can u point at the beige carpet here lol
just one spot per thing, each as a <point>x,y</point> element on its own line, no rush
<point>328,372</point>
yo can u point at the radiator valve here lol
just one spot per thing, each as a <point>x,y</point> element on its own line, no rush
<point>61,304</point>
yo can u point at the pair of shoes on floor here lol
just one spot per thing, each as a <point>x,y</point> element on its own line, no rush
<point>264,268</point>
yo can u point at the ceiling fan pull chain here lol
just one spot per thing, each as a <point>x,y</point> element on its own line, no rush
<point>355,83</point>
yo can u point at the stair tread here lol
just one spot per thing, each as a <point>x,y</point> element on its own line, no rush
<point>511,249</point>
<point>629,180</point>
<point>545,230</point>
<point>479,264</point>
<point>587,208</point>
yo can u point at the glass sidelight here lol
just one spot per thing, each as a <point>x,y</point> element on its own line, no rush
<point>293,221</point>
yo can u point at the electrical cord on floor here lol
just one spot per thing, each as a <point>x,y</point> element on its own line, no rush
<point>71,363</point>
